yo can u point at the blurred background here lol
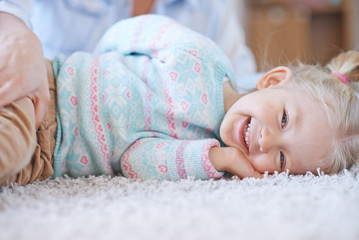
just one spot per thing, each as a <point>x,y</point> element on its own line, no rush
<point>312,31</point>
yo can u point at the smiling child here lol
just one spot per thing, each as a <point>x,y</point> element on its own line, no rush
<point>156,101</point>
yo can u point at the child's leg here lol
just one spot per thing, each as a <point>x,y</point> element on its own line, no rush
<point>17,137</point>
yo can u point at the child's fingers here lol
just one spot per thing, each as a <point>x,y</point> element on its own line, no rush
<point>258,175</point>
<point>242,167</point>
<point>248,171</point>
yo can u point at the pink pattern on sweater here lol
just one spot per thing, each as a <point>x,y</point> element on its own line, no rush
<point>181,170</point>
<point>125,163</point>
<point>206,162</point>
<point>138,33</point>
<point>170,114</point>
<point>148,98</point>
<point>159,37</point>
<point>95,117</point>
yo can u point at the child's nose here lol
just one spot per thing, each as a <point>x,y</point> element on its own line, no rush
<point>266,140</point>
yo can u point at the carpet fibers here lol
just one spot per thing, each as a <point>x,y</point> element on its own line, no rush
<point>276,207</point>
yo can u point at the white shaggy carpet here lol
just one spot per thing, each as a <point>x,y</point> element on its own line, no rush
<point>276,207</point>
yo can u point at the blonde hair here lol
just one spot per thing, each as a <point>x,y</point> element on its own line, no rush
<point>340,102</point>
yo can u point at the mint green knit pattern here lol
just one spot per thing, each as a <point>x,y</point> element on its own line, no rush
<point>148,104</point>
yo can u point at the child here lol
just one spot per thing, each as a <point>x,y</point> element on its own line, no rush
<point>155,102</point>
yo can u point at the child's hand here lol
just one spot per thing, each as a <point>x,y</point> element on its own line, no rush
<point>232,160</point>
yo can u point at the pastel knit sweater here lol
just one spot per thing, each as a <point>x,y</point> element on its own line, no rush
<point>148,104</point>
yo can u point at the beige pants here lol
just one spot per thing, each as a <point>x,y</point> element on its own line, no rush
<point>27,155</point>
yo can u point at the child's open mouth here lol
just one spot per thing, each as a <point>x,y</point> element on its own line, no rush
<point>246,131</point>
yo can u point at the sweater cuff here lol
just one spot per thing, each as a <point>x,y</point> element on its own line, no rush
<point>192,160</point>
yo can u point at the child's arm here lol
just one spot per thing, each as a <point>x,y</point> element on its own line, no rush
<point>173,159</point>
<point>232,160</point>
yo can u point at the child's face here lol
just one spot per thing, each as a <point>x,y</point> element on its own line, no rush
<point>278,128</point>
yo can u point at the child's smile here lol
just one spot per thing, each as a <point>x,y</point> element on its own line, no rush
<point>242,138</point>
<point>246,132</point>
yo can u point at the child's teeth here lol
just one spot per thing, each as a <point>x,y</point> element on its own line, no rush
<point>246,137</point>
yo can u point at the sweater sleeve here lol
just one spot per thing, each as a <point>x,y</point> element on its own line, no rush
<point>167,159</point>
<point>156,36</point>
<point>146,34</point>
<point>161,38</point>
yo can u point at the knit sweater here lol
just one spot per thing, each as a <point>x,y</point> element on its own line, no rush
<point>147,104</point>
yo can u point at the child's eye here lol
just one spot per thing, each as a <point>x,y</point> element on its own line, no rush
<point>284,119</point>
<point>282,160</point>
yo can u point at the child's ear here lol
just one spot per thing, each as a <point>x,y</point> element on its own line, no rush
<point>275,76</point>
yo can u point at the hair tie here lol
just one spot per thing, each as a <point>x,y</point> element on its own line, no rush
<point>343,78</point>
